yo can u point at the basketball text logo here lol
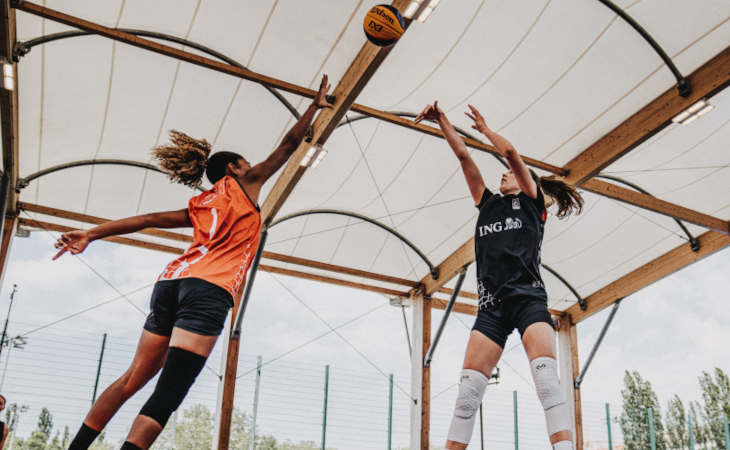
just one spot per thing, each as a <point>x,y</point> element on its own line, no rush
<point>497,227</point>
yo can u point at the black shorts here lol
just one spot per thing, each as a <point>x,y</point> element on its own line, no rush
<point>192,304</point>
<point>498,321</point>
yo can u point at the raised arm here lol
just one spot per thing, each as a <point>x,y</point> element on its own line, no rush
<point>76,241</point>
<point>471,172</point>
<point>503,146</point>
<point>261,172</point>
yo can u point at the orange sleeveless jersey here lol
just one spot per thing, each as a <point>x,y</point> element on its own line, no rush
<point>226,228</point>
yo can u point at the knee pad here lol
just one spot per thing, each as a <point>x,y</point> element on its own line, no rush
<point>547,384</point>
<point>178,374</point>
<point>471,391</point>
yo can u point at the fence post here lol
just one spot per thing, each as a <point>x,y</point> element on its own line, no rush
<point>98,368</point>
<point>727,434</point>
<point>652,438</point>
<point>390,409</point>
<point>324,409</point>
<point>252,439</point>
<point>608,426</point>
<point>481,424</point>
<point>514,402</point>
<point>691,433</point>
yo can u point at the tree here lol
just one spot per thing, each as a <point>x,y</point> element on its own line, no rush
<point>66,438</point>
<point>39,438</point>
<point>638,396</point>
<point>699,430</point>
<point>716,397</point>
<point>55,443</point>
<point>676,421</point>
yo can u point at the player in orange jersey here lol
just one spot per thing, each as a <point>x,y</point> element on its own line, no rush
<point>192,296</point>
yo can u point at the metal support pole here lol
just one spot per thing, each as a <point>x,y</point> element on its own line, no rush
<point>727,434</point>
<point>582,374</point>
<point>447,313</point>
<point>481,425</point>
<point>5,369</point>
<point>7,318</point>
<point>405,324</point>
<point>324,409</point>
<point>652,438</point>
<point>514,402</point>
<point>608,426</point>
<point>390,410</point>
<point>691,433</point>
<point>249,284</point>
<point>98,368</point>
<point>252,441</point>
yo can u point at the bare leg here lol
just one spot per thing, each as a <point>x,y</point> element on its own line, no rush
<point>146,429</point>
<point>147,361</point>
<point>539,341</point>
<point>482,354</point>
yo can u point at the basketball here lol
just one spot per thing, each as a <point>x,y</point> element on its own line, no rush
<point>383,25</point>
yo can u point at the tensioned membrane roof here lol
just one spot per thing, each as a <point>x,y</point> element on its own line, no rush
<point>553,76</point>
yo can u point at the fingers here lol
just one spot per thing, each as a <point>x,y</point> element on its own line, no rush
<point>58,255</point>
<point>324,83</point>
<point>471,116</point>
<point>436,105</point>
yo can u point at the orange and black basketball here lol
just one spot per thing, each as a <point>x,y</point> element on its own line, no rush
<point>383,25</point>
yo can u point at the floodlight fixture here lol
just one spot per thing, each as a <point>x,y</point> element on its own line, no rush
<point>693,113</point>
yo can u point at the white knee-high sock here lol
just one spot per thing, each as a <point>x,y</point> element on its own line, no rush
<point>471,391</point>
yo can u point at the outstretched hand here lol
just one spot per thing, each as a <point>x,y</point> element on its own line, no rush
<point>73,241</point>
<point>430,112</point>
<point>320,100</point>
<point>479,124</point>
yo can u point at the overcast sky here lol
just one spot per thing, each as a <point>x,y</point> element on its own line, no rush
<point>669,332</point>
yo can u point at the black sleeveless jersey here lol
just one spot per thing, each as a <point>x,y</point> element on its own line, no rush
<point>507,244</point>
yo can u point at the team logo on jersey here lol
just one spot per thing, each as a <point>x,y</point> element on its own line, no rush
<point>515,203</point>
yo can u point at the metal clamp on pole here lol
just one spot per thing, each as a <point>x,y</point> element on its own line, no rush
<point>249,284</point>
<point>447,312</point>
<point>582,374</point>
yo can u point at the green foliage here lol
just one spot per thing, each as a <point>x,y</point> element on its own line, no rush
<point>100,444</point>
<point>716,398</point>
<point>676,421</point>
<point>638,396</point>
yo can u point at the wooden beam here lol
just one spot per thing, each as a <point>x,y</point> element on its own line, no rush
<point>451,266</point>
<point>352,83</point>
<point>577,403</point>
<point>651,203</point>
<point>464,308</point>
<point>426,377</point>
<point>94,220</point>
<point>229,377</point>
<point>181,237</point>
<point>356,83</point>
<point>658,268</point>
<point>9,131</point>
<point>706,81</point>
<point>47,226</point>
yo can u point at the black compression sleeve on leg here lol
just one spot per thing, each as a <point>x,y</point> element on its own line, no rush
<point>83,438</point>
<point>129,446</point>
<point>178,374</point>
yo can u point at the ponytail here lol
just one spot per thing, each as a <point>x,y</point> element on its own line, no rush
<point>186,159</point>
<point>565,195</point>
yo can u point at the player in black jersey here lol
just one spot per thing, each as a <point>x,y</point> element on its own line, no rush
<point>511,292</point>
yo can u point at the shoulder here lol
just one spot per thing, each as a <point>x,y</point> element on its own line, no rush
<point>486,195</point>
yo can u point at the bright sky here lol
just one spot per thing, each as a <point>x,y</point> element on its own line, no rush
<point>669,332</point>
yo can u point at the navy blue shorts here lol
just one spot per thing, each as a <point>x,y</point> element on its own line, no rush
<point>192,304</point>
<point>498,321</point>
